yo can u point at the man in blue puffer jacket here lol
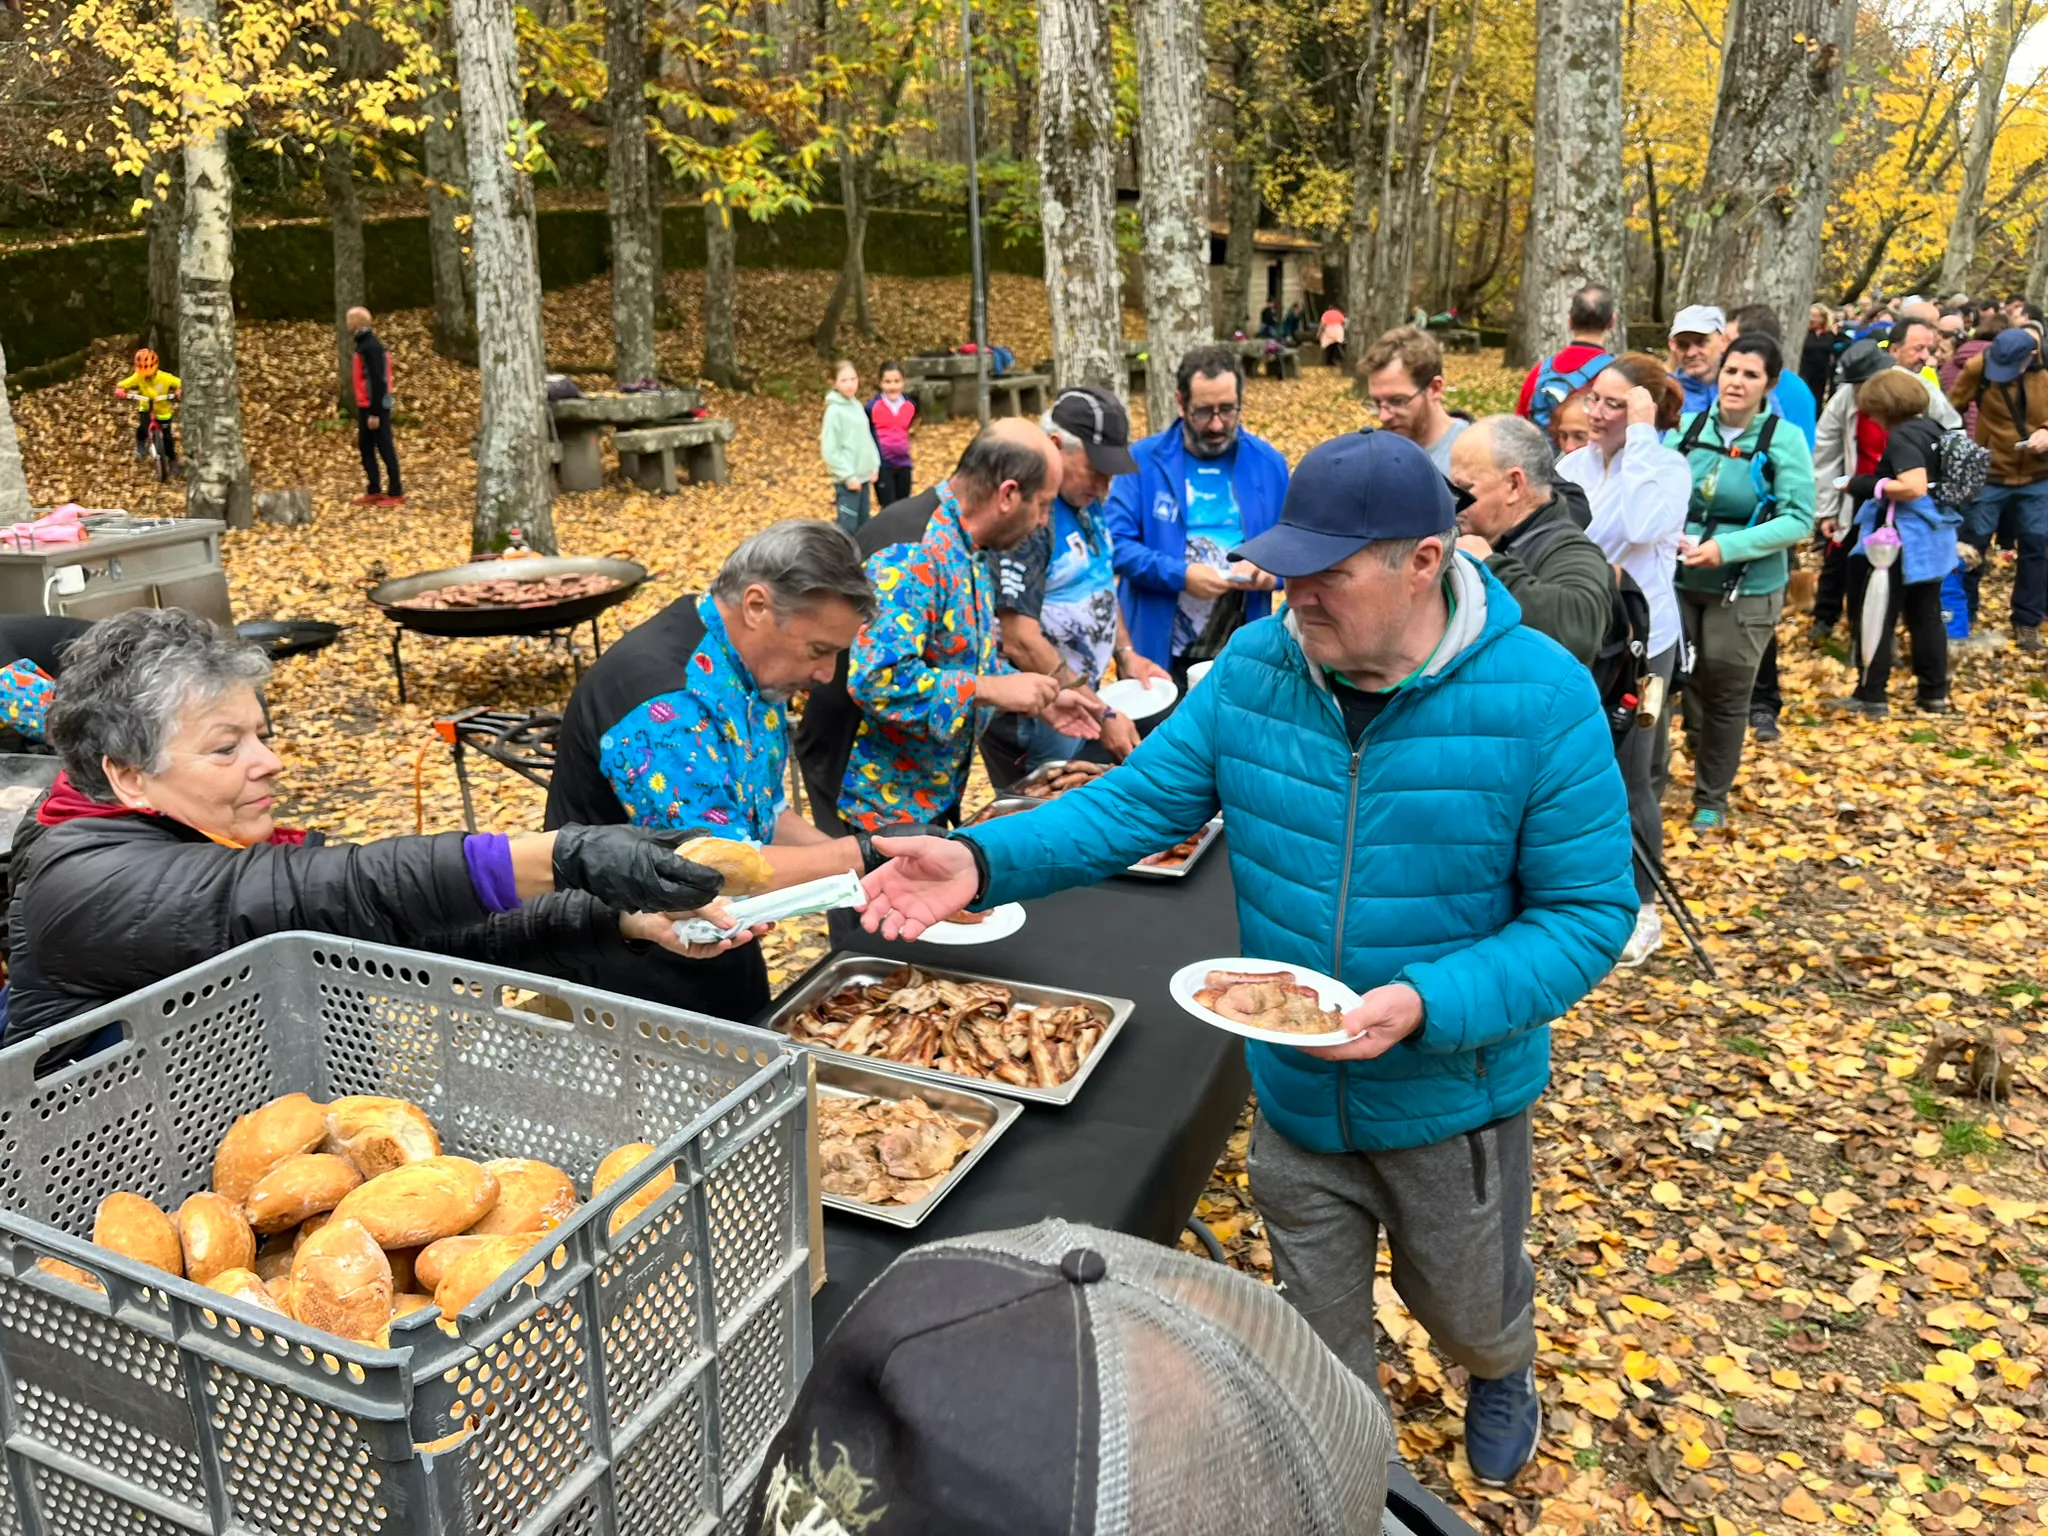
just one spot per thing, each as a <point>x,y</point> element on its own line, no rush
<point>1422,801</point>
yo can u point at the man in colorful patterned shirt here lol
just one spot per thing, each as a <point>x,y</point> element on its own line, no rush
<point>928,671</point>
<point>683,724</point>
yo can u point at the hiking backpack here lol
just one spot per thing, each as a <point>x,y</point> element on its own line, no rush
<point>1623,658</point>
<point>1553,388</point>
<point>1965,466</point>
<point>1763,476</point>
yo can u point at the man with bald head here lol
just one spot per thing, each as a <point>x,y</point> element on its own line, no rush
<point>375,401</point>
<point>924,673</point>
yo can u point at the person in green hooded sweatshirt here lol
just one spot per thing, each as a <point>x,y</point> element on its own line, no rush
<point>1752,500</point>
<point>847,441</point>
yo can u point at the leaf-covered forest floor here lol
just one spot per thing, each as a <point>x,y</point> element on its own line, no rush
<point>1782,1285</point>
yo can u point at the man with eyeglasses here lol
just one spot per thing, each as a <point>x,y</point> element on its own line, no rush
<point>1204,486</point>
<point>1404,380</point>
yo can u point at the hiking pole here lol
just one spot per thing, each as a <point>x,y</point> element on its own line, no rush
<point>1667,892</point>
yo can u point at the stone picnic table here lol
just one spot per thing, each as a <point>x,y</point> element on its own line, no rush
<point>580,424</point>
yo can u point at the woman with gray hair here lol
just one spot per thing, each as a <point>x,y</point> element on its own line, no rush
<point>157,848</point>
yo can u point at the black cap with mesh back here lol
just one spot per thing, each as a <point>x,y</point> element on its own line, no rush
<point>1063,1379</point>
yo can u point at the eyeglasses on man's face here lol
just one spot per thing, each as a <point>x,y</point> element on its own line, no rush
<point>1204,415</point>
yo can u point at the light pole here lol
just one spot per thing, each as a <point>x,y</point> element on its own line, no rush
<point>978,304</point>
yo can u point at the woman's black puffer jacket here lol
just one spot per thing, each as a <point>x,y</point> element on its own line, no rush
<point>102,906</point>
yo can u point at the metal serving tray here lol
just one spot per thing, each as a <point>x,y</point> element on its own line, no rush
<point>1178,871</point>
<point>840,1077</point>
<point>845,970</point>
<point>1009,805</point>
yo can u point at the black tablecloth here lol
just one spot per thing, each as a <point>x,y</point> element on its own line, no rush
<point>1135,1148</point>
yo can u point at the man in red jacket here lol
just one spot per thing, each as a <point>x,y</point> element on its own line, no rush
<point>374,402</point>
<point>1590,319</point>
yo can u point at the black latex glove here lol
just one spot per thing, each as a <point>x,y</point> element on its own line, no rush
<point>632,869</point>
<point>872,858</point>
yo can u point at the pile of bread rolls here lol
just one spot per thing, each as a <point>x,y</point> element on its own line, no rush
<point>346,1215</point>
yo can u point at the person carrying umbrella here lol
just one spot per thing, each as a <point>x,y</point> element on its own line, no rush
<point>1905,545</point>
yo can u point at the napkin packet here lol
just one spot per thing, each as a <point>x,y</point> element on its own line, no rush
<point>821,895</point>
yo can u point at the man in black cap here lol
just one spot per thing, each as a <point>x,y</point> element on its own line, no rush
<point>1056,592</point>
<point>1423,801</point>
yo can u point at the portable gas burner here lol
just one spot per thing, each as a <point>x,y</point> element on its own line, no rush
<point>524,743</point>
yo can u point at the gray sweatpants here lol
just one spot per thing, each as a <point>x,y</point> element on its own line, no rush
<point>1455,1214</point>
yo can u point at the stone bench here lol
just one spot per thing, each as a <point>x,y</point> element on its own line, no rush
<point>647,455</point>
<point>934,397</point>
<point>1284,364</point>
<point>1458,340</point>
<point>1018,394</point>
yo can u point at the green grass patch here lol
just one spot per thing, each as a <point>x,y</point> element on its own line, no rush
<point>1747,1045</point>
<point>776,387</point>
<point>1967,1138</point>
<point>1923,737</point>
<point>1587,1459</point>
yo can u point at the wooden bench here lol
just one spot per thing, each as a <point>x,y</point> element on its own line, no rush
<point>647,455</point>
<point>1018,394</point>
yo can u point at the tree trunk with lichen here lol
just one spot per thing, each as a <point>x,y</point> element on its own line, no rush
<point>1077,194</point>
<point>514,486</point>
<point>1993,61</point>
<point>1756,235</point>
<point>454,278</point>
<point>13,479</point>
<point>1172,199</point>
<point>635,267</point>
<point>1574,235</point>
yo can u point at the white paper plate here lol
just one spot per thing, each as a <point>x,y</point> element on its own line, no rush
<point>1199,671</point>
<point>1140,698</point>
<point>1000,923</point>
<point>1190,979</point>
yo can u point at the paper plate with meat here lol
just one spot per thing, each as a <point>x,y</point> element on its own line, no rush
<point>1265,1000</point>
<point>977,927</point>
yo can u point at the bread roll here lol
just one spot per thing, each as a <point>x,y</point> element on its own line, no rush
<point>746,869</point>
<point>275,1266</point>
<point>70,1272</point>
<point>421,1202</point>
<point>310,1184</point>
<point>433,1260</point>
<point>378,1135</point>
<point>407,1302</point>
<point>465,1279</point>
<point>262,1139</point>
<point>215,1237</point>
<point>307,1228</point>
<point>244,1285</point>
<point>129,1224</point>
<point>341,1282</point>
<point>532,1197</point>
<point>616,1165</point>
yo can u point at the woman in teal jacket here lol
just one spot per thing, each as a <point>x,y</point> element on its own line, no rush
<point>1752,500</point>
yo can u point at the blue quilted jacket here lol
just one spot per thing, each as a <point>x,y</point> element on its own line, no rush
<point>1475,847</point>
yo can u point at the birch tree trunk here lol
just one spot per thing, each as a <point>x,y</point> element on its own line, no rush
<point>1757,235</point>
<point>1990,92</point>
<point>345,222</point>
<point>1173,159</point>
<point>216,463</point>
<point>14,505</point>
<point>513,487</point>
<point>1077,195</point>
<point>454,277</point>
<point>635,267</point>
<point>721,363</point>
<point>1575,229</point>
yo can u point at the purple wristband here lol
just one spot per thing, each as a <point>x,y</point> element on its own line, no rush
<point>489,857</point>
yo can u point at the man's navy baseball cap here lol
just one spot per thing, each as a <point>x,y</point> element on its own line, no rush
<point>2008,355</point>
<point>1344,494</point>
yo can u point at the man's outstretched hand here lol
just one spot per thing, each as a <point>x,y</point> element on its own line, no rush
<point>926,881</point>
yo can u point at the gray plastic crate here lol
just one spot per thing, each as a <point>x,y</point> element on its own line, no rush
<point>632,1394</point>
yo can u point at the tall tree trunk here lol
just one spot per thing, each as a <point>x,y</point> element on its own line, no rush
<point>1574,234</point>
<point>1240,253</point>
<point>1990,92</point>
<point>1657,274</point>
<point>855,173</point>
<point>721,363</point>
<point>513,486</point>
<point>454,274</point>
<point>166,214</point>
<point>1368,152</point>
<point>2037,262</point>
<point>634,265</point>
<point>13,479</point>
<point>216,463</point>
<point>1173,156</point>
<point>345,223</point>
<point>1757,240</point>
<point>1077,195</point>
<point>666,315</point>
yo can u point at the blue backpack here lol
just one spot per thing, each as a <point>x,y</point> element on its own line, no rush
<point>1554,388</point>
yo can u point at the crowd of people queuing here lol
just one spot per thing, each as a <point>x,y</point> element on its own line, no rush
<point>1437,664</point>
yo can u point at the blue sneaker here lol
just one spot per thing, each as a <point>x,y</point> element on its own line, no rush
<point>1707,819</point>
<point>1503,1420</point>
